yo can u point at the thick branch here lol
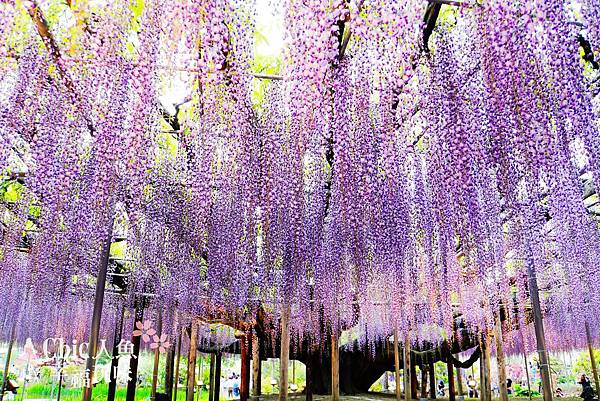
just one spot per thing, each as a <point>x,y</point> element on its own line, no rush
<point>42,27</point>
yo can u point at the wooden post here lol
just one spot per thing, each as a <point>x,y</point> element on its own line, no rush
<point>60,379</point>
<point>407,369</point>
<point>451,389</point>
<point>114,363</point>
<point>539,330</point>
<point>423,381</point>
<point>255,366</point>
<point>432,392</point>
<point>527,374</point>
<point>386,383</point>
<point>459,383</point>
<point>413,380</point>
<point>191,369</point>
<point>335,368</point>
<point>592,359</point>
<point>177,366</point>
<point>484,371</point>
<point>134,359</point>
<point>217,383</point>
<point>285,354</point>
<point>397,366</point>
<point>211,377</point>
<point>90,365</point>
<point>156,360</point>
<point>13,333</point>
<point>309,381</point>
<point>169,366</point>
<point>502,385</point>
<point>245,352</point>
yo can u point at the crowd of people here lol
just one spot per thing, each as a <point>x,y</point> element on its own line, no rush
<point>587,391</point>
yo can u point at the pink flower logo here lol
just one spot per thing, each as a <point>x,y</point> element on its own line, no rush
<point>145,330</point>
<point>161,343</point>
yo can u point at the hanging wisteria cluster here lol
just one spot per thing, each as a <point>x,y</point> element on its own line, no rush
<point>386,180</point>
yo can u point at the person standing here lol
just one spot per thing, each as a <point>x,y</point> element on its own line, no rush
<point>472,384</point>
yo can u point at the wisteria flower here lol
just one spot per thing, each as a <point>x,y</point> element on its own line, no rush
<point>145,330</point>
<point>160,342</point>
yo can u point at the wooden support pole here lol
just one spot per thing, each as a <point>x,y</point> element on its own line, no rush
<point>527,374</point>
<point>423,381</point>
<point>191,368</point>
<point>90,365</point>
<point>211,377</point>
<point>432,392</point>
<point>114,363</point>
<point>451,389</point>
<point>413,380</point>
<point>488,373</point>
<point>245,354</point>
<point>169,372</point>
<point>177,358</point>
<point>217,378</point>
<point>539,330</point>
<point>60,379</point>
<point>13,333</point>
<point>309,378</point>
<point>386,384</point>
<point>255,366</point>
<point>592,359</point>
<point>156,360</point>
<point>335,368</point>
<point>485,393</point>
<point>459,383</point>
<point>285,354</point>
<point>134,359</point>
<point>397,366</point>
<point>502,385</point>
<point>407,369</point>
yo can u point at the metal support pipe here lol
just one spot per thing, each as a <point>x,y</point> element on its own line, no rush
<point>217,389</point>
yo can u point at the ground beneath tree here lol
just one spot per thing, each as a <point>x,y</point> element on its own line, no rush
<point>387,397</point>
